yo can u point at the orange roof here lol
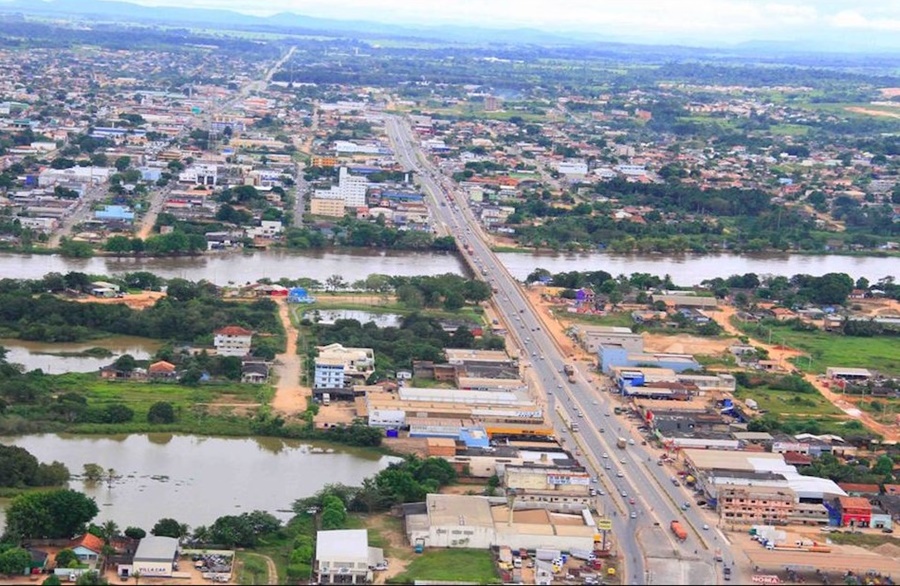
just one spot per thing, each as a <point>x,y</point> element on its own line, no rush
<point>88,541</point>
<point>233,331</point>
<point>162,366</point>
<point>854,502</point>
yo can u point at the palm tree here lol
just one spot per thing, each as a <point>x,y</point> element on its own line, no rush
<point>137,577</point>
<point>110,529</point>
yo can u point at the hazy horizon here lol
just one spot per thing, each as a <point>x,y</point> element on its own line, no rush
<point>842,24</point>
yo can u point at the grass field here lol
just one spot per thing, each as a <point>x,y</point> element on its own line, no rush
<point>788,403</point>
<point>451,565</point>
<point>826,349</point>
<point>620,318</point>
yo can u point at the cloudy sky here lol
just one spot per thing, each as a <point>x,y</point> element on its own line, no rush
<point>661,20</point>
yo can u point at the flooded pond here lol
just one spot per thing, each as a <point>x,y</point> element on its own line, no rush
<point>197,479</point>
<point>59,358</point>
<point>329,316</point>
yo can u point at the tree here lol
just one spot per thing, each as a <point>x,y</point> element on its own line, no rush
<point>66,558</point>
<point>91,578</point>
<point>110,530</point>
<point>75,249</point>
<point>168,527</point>
<point>118,244</point>
<point>52,580</point>
<point>93,472</point>
<point>125,363</point>
<point>884,466</point>
<point>122,163</point>
<point>135,533</point>
<point>161,412</point>
<point>57,514</point>
<point>14,561</point>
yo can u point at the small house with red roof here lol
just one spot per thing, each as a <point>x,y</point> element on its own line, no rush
<point>232,341</point>
<point>87,548</point>
<point>162,370</point>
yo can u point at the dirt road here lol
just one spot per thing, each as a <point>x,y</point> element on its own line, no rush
<point>141,300</point>
<point>290,397</point>
<point>781,354</point>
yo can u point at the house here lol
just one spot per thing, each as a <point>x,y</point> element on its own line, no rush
<point>162,370</point>
<point>300,295</point>
<point>112,373</point>
<point>232,341</point>
<point>38,560</point>
<point>254,372</point>
<point>335,365</point>
<point>344,557</point>
<point>855,511</point>
<point>87,548</point>
<point>155,556</point>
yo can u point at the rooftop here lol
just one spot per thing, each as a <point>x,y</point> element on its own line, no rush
<point>343,545</point>
<point>157,548</point>
<point>233,331</point>
<point>454,509</point>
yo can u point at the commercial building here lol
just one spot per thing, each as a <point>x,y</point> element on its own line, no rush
<point>155,556</point>
<point>232,341</point>
<point>466,357</point>
<point>478,522</point>
<point>616,355</point>
<point>553,485</point>
<point>591,337</point>
<point>720,473</point>
<point>344,557</point>
<point>854,511</point>
<point>337,367</point>
<point>757,505</point>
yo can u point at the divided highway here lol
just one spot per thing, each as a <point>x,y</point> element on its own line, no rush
<point>639,498</point>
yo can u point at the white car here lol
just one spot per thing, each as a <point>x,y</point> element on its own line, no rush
<point>605,455</point>
<point>705,527</point>
<point>619,474</point>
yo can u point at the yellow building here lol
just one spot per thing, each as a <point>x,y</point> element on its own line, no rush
<point>321,206</point>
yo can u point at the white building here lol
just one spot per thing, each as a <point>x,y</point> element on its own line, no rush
<point>344,557</point>
<point>351,148</point>
<point>336,364</point>
<point>573,168</point>
<point>631,170</point>
<point>85,175</point>
<point>232,341</point>
<point>155,556</point>
<point>350,188</point>
<point>200,174</point>
<point>481,522</point>
<point>266,229</point>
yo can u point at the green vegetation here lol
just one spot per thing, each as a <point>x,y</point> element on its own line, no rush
<point>56,514</point>
<point>829,349</point>
<point>20,469</point>
<point>189,312</point>
<point>867,540</point>
<point>789,403</point>
<point>451,565</point>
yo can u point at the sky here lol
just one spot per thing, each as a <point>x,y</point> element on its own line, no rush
<point>703,21</point>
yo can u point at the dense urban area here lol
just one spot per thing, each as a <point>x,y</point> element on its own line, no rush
<point>290,306</point>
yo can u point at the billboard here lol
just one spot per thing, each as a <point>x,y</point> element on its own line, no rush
<point>560,479</point>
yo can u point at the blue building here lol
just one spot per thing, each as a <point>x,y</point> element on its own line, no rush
<point>114,212</point>
<point>300,295</point>
<point>150,173</point>
<point>612,355</point>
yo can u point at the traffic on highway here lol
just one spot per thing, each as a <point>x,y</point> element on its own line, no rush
<point>632,491</point>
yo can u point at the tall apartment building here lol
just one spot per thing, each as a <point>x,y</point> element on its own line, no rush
<point>350,188</point>
<point>756,505</point>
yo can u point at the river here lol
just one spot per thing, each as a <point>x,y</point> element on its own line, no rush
<point>692,269</point>
<point>353,264</point>
<point>197,479</point>
<point>241,267</point>
<point>46,356</point>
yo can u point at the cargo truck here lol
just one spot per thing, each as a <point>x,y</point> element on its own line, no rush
<point>678,530</point>
<point>621,443</point>
<point>569,369</point>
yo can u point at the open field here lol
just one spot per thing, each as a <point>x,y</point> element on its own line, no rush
<point>826,349</point>
<point>450,565</point>
<point>789,403</point>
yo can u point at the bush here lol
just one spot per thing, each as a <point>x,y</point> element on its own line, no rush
<point>161,412</point>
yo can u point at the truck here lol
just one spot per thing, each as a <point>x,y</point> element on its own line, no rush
<point>678,530</point>
<point>326,398</point>
<point>621,443</point>
<point>583,554</point>
<point>569,369</point>
<point>547,555</point>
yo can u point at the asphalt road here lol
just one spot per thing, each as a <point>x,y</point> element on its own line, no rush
<point>656,500</point>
